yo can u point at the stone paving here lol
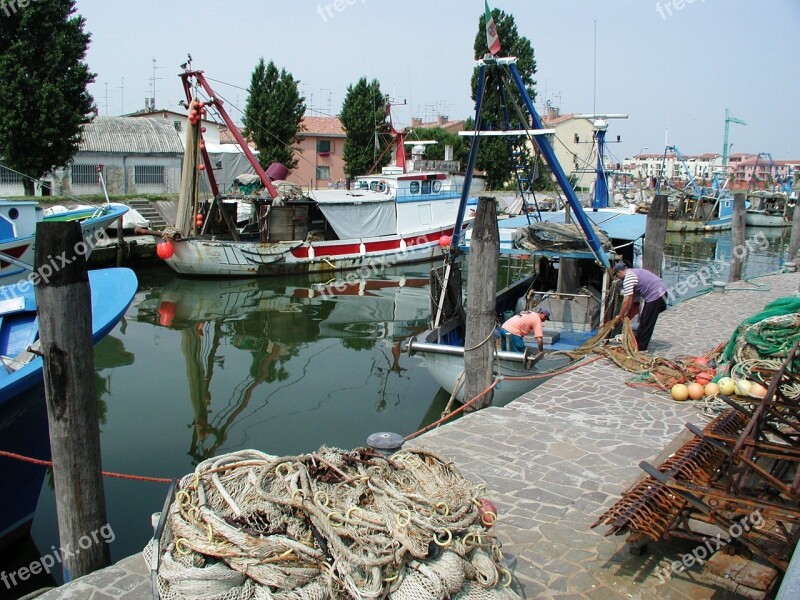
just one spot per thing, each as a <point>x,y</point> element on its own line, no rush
<point>555,459</point>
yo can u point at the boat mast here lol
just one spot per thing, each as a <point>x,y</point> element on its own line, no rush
<point>217,104</point>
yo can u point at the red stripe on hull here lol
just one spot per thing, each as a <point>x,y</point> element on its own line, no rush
<point>333,250</point>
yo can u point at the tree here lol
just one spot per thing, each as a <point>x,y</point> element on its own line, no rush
<point>363,117</point>
<point>494,157</point>
<point>44,102</point>
<point>273,114</point>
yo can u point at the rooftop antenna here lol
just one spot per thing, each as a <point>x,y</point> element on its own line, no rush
<point>106,98</point>
<point>153,86</point>
<point>122,97</point>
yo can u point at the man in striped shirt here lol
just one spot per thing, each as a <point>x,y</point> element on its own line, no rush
<point>653,292</point>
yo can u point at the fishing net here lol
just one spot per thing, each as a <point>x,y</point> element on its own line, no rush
<point>650,371</point>
<point>769,334</point>
<point>555,237</point>
<point>331,524</point>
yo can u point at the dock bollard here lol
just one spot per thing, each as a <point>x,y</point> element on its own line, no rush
<point>385,442</point>
<point>718,287</point>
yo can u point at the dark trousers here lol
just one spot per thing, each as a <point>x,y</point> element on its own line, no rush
<point>647,321</point>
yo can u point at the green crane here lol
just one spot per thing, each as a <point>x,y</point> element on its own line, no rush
<point>728,120</point>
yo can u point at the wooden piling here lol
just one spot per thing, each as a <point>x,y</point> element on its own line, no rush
<point>479,347</point>
<point>63,301</point>
<point>738,226</point>
<point>655,234</point>
<point>794,241</point>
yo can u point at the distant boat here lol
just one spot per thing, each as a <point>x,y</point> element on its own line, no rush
<point>769,209</point>
<point>695,208</point>
<point>18,232</point>
<point>112,291</point>
<point>393,217</point>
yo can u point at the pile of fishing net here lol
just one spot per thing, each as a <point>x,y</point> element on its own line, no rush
<point>331,524</point>
<point>650,371</point>
<point>555,237</point>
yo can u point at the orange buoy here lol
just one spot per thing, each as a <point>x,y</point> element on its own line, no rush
<point>165,249</point>
<point>695,391</point>
<point>703,378</point>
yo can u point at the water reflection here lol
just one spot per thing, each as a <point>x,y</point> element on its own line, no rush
<point>244,343</point>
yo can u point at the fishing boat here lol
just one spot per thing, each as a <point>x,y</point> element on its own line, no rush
<point>694,208</point>
<point>112,291</point>
<point>393,217</point>
<point>571,277</point>
<point>771,200</point>
<point>18,232</point>
<point>769,209</point>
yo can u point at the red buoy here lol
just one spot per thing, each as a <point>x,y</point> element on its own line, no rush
<point>201,167</point>
<point>166,313</point>
<point>445,241</point>
<point>488,512</point>
<point>165,249</point>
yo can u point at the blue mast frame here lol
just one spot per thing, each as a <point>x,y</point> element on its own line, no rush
<point>547,152</point>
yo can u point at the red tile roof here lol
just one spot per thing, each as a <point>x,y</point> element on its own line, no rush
<point>322,126</point>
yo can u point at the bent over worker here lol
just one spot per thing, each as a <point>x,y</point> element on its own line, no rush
<point>653,291</point>
<point>518,326</point>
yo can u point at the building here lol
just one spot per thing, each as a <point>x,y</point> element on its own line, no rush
<point>574,146</point>
<point>212,134</point>
<point>320,153</point>
<point>744,170</point>
<point>139,156</point>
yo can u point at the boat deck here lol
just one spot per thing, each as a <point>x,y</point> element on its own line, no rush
<point>556,458</point>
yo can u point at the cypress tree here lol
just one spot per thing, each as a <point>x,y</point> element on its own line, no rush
<point>273,114</point>
<point>363,117</point>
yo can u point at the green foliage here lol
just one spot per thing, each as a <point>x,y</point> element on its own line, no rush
<point>494,157</point>
<point>44,102</point>
<point>443,138</point>
<point>363,117</point>
<point>273,113</point>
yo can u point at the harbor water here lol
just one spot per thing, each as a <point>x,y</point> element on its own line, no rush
<point>202,367</point>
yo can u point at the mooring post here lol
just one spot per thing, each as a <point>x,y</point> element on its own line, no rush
<point>655,234</point>
<point>738,225</point>
<point>121,248</point>
<point>484,249</point>
<point>794,241</point>
<point>63,300</point>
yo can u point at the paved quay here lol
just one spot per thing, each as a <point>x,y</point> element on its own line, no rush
<point>555,459</point>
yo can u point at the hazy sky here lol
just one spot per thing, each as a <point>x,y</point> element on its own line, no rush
<point>674,66</point>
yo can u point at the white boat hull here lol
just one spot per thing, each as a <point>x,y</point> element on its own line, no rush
<point>208,257</point>
<point>761,219</point>
<point>448,371</point>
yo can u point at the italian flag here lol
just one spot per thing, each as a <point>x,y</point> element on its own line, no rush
<point>492,39</point>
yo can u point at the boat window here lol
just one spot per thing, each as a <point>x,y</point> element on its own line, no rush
<point>373,185</point>
<point>414,187</point>
<point>437,187</point>
<point>426,187</point>
<point>363,185</point>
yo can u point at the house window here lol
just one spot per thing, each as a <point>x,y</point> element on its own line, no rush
<point>84,175</point>
<point>323,146</point>
<point>148,174</point>
<point>177,125</point>
<point>323,172</point>
<point>7,176</point>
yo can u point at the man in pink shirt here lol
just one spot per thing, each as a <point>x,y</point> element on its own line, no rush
<point>518,326</point>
